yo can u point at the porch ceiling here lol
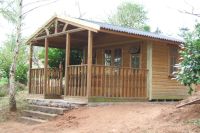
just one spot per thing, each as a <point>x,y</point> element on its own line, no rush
<point>78,39</point>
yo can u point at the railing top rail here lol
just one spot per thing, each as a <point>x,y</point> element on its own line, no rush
<point>43,68</point>
<point>96,66</point>
<point>36,68</point>
<point>121,67</point>
<point>77,65</point>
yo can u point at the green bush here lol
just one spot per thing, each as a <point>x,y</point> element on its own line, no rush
<point>3,91</point>
<point>6,57</point>
<point>3,87</point>
<point>21,73</point>
<point>189,67</point>
<point>3,81</point>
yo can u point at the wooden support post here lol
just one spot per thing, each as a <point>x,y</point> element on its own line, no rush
<point>30,67</point>
<point>89,63</point>
<point>149,67</point>
<point>61,77</point>
<point>47,31</point>
<point>67,61</point>
<point>56,26</point>
<point>46,67</point>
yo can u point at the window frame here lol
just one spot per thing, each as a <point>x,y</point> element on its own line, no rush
<point>110,56</point>
<point>140,57</point>
<point>170,56</point>
<point>116,56</point>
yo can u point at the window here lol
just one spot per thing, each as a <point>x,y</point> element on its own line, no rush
<point>135,61</point>
<point>173,57</point>
<point>135,56</point>
<point>118,57</point>
<point>108,57</point>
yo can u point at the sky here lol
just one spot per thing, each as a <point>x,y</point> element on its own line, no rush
<point>161,14</point>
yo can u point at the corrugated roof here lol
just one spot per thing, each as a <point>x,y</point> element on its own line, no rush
<point>135,31</point>
<point>101,25</point>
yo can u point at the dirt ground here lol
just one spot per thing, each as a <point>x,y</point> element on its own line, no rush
<point>119,118</point>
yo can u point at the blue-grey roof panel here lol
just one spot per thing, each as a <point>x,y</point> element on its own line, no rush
<point>135,32</point>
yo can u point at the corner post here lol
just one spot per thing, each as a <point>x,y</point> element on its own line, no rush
<point>149,67</point>
<point>30,67</point>
<point>46,68</point>
<point>67,60</point>
<point>89,63</point>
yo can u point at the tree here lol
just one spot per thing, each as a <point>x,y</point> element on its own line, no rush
<point>130,15</point>
<point>189,67</point>
<point>12,11</point>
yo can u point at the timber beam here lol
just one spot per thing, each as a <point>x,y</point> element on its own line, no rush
<point>58,34</point>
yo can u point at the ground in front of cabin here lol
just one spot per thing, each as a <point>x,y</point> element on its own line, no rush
<point>120,118</point>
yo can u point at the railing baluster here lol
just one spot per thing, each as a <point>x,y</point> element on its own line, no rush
<point>107,81</point>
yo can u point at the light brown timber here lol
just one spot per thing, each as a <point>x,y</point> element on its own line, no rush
<point>89,64</point>
<point>67,60</point>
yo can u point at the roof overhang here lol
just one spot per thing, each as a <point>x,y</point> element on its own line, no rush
<point>98,26</point>
<point>68,20</point>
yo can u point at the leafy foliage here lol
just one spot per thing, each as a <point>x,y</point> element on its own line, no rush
<point>6,55</point>
<point>130,15</point>
<point>57,56</point>
<point>189,67</point>
<point>8,10</point>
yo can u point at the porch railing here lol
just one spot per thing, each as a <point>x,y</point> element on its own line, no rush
<point>54,81</point>
<point>77,80</point>
<point>108,81</point>
<point>36,81</point>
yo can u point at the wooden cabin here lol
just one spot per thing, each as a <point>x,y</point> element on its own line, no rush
<point>118,63</point>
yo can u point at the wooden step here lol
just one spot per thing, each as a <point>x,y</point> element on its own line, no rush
<point>56,103</point>
<point>29,120</point>
<point>46,109</point>
<point>38,115</point>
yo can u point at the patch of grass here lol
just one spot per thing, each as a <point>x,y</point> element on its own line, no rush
<point>4,106</point>
<point>194,122</point>
<point>3,91</point>
<point>3,81</point>
<point>21,99</point>
<point>3,87</point>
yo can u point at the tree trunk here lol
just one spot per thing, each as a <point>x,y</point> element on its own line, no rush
<point>12,90</point>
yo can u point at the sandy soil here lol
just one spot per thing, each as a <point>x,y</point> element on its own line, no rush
<point>121,118</point>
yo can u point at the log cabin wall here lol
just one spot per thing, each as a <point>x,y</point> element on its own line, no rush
<point>163,87</point>
<point>123,82</point>
<point>109,41</point>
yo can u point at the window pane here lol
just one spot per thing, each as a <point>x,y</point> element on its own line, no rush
<point>108,58</point>
<point>173,59</point>
<point>118,57</point>
<point>135,61</point>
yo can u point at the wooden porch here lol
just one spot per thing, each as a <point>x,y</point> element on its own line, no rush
<point>106,82</point>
